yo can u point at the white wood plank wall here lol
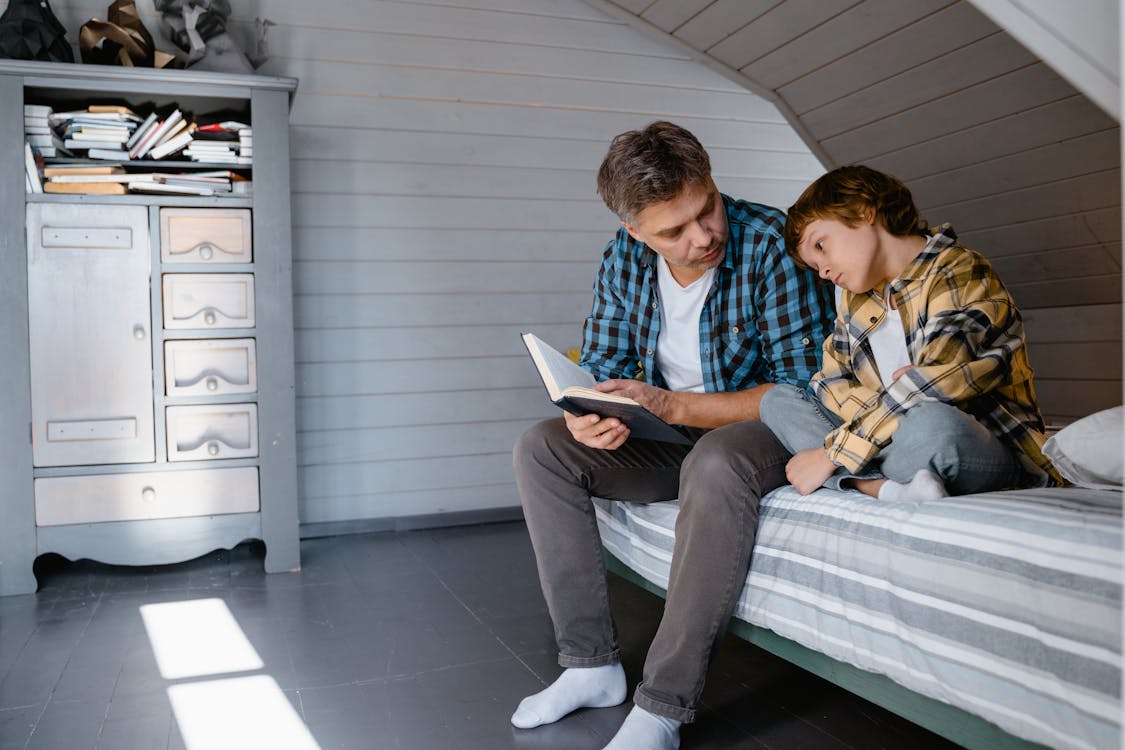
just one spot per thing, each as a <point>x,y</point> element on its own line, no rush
<point>443,172</point>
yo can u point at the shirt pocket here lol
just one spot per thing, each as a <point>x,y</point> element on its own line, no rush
<point>739,345</point>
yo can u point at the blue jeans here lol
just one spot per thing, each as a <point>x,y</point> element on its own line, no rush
<point>932,435</point>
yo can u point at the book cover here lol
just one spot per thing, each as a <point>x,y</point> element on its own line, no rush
<point>31,170</point>
<point>170,146</point>
<point>100,188</point>
<point>89,169</point>
<point>572,389</point>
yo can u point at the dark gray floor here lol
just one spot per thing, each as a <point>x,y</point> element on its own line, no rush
<point>421,640</point>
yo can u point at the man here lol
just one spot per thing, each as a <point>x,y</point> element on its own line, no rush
<point>698,292</point>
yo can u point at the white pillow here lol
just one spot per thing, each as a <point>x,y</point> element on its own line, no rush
<point>1088,453</point>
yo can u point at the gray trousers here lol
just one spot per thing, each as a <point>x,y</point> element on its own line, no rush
<point>932,435</point>
<point>718,480</point>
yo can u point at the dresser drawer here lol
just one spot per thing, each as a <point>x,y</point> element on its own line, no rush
<point>205,235</point>
<point>154,494</point>
<point>208,300</point>
<point>208,431</point>
<point>214,367</point>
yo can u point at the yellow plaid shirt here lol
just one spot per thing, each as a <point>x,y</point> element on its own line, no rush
<point>966,343</point>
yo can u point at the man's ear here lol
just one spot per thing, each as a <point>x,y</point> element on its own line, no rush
<point>633,232</point>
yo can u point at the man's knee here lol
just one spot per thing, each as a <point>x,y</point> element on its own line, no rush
<point>536,444</point>
<point>733,461</point>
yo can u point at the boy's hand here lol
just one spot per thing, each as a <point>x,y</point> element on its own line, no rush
<point>808,469</point>
<point>595,432</point>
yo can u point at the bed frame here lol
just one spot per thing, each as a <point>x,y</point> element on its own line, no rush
<point>954,724</point>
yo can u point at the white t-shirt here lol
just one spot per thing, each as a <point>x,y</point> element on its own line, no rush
<point>888,344</point>
<point>888,340</point>
<point>677,345</point>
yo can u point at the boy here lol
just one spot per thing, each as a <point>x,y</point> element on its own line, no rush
<point>925,388</point>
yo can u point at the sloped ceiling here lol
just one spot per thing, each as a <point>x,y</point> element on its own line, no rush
<point>987,136</point>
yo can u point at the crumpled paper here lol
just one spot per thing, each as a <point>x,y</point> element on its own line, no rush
<point>122,40</point>
<point>30,31</point>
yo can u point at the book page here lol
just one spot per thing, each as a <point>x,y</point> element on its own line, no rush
<point>556,369</point>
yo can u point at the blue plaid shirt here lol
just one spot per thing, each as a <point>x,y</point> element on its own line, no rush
<point>763,321</point>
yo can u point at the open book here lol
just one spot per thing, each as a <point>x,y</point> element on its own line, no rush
<point>572,389</point>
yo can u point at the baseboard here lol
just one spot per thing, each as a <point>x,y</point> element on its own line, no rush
<point>410,523</point>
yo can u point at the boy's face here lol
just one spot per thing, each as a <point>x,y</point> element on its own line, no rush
<point>689,231</point>
<point>844,255</point>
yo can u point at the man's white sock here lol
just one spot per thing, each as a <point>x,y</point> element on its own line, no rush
<point>576,687</point>
<point>925,485</point>
<point>643,730</point>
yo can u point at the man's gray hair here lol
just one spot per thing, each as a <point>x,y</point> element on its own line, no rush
<point>644,167</point>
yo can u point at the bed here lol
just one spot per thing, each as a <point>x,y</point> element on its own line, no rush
<point>993,619</point>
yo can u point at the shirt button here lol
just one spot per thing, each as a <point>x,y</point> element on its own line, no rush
<point>805,341</point>
<point>734,329</point>
<point>655,305</point>
<point>873,318</point>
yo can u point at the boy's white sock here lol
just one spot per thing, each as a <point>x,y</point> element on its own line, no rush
<point>576,687</point>
<point>643,730</point>
<point>925,485</point>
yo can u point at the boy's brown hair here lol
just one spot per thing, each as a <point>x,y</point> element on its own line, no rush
<point>643,167</point>
<point>850,195</point>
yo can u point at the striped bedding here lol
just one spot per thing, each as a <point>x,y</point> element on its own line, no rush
<point>1007,604</point>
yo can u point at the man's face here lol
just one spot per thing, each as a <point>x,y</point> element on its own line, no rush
<point>689,231</point>
<point>841,254</point>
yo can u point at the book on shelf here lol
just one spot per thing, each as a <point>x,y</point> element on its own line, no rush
<point>118,109</point>
<point>152,186</point>
<point>85,188</point>
<point>40,140</point>
<point>31,170</point>
<point>141,129</point>
<point>121,176</point>
<point>572,389</point>
<point>146,144</point>
<point>81,169</point>
<point>108,154</point>
<point>79,144</point>
<point>170,146</point>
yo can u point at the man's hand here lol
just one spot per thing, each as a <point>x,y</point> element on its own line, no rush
<point>595,432</point>
<point>657,400</point>
<point>808,469</point>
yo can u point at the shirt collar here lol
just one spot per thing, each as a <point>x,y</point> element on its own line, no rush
<point>938,238</point>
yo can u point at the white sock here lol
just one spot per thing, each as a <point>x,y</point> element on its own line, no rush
<point>643,730</point>
<point>925,485</point>
<point>576,687</point>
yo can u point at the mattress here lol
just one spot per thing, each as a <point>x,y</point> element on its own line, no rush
<point>1005,604</point>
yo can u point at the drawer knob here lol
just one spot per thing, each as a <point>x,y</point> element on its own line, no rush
<point>209,318</point>
<point>148,494</point>
<point>206,252</point>
<point>212,384</point>
<point>213,448</point>
<point>139,332</point>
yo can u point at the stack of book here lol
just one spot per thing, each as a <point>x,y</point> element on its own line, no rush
<point>100,130</point>
<point>115,180</point>
<point>158,138</point>
<point>226,142</point>
<point>37,130</point>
